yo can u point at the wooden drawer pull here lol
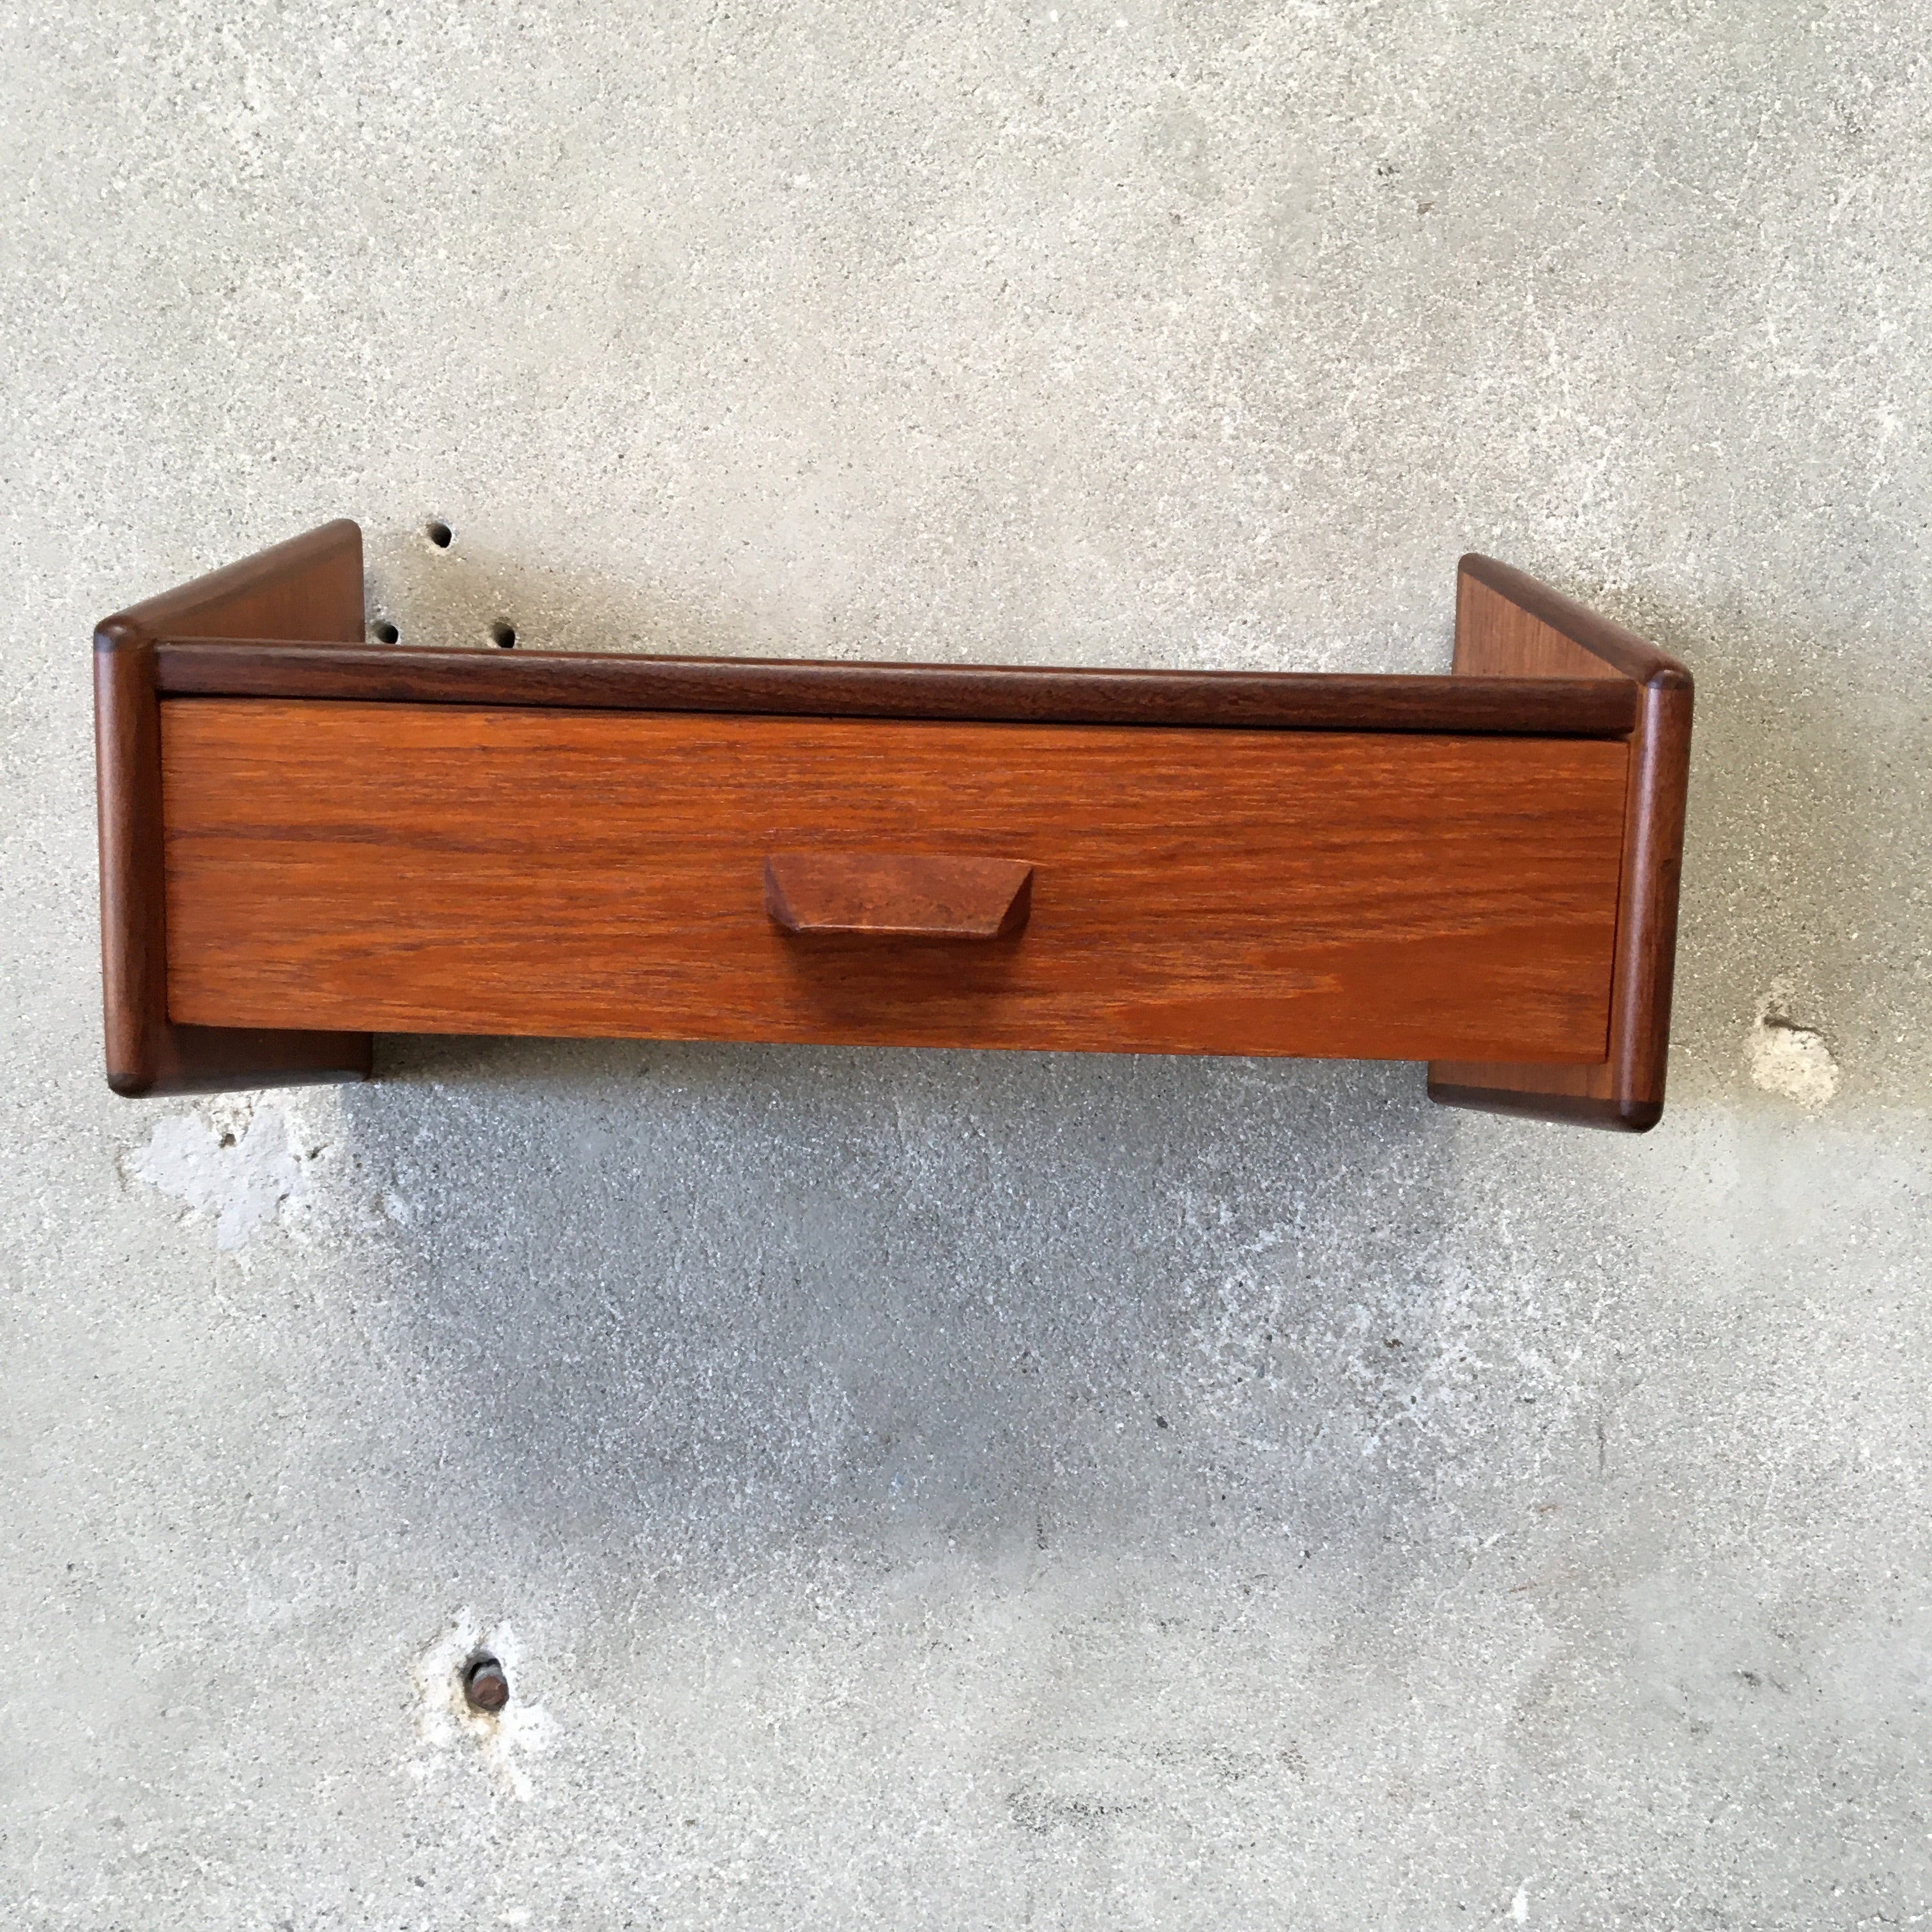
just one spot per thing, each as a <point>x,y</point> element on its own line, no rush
<point>898,895</point>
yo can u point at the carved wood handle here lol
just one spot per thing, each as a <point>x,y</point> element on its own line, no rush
<point>891,894</point>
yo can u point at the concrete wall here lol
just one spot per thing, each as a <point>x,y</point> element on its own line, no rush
<point>931,1490</point>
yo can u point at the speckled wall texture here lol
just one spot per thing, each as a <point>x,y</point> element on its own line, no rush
<point>932,1490</point>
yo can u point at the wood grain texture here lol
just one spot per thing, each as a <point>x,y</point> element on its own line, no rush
<point>460,869</point>
<point>1530,707</point>
<point>312,586</point>
<point>1507,624</point>
<point>308,590</point>
<point>898,895</point>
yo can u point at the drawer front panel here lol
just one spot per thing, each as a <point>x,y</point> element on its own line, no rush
<point>453,869</point>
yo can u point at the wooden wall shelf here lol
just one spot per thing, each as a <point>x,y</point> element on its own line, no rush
<point>306,839</point>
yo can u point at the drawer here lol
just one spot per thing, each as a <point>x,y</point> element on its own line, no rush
<point>441,869</point>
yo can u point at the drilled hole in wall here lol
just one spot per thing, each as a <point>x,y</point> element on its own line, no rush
<point>502,635</point>
<point>441,535</point>
<point>383,631</point>
<point>486,1686</point>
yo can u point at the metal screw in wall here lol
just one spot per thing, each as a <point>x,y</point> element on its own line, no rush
<point>485,1688</point>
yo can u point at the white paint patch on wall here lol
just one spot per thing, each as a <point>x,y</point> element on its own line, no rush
<point>253,1163</point>
<point>1787,1058</point>
<point>229,1160</point>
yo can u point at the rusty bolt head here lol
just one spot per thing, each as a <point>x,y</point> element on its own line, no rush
<point>485,1687</point>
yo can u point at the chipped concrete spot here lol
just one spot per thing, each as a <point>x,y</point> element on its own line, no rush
<point>446,1721</point>
<point>1519,1905</point>
<point>251,1163</point>
<point>1787,1058</point>
<point>229,1160</point>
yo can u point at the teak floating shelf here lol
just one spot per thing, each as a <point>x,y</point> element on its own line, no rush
<point>305,839</point>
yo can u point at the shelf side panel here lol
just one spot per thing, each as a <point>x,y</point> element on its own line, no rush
<point>309,588</point>
<point>1508,624</point>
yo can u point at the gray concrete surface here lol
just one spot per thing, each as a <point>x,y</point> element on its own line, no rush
<point>928,1490</point>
